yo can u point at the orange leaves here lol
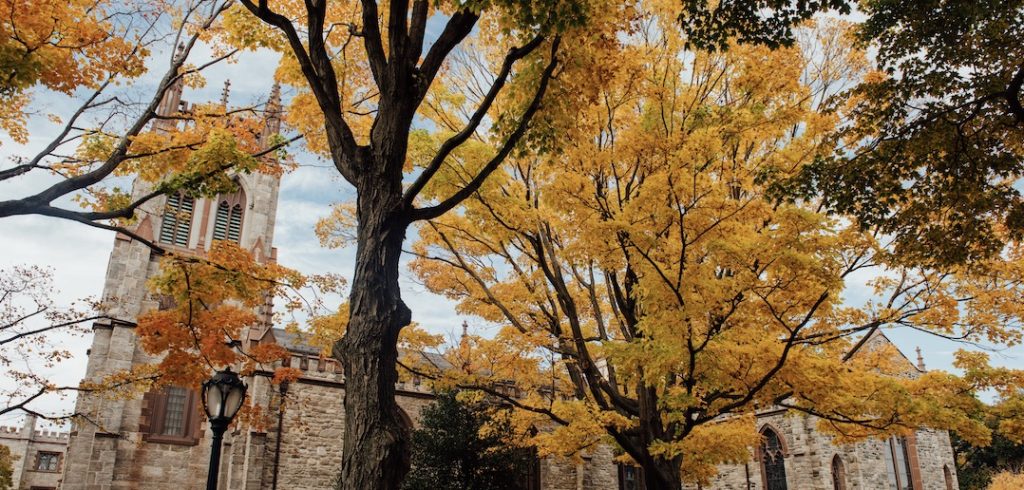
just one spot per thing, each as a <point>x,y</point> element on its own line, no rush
<point>214,302</point>
<point>286,375</point>
<point>61,45</point>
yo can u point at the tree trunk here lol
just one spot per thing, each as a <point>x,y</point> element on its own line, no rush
<point>661,474</point>
<point>375,454</point>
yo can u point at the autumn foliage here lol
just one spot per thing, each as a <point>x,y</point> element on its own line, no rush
<point>650,293</point>
<point>77,43</point>
<point>608,184</point>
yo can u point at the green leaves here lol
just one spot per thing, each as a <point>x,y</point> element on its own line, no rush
<point>715,25</point>
<point>934,150</point>
<point>464,445</point>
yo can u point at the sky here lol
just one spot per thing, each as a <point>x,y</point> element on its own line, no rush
<point>79,254</point>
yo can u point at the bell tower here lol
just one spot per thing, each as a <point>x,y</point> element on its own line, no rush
<point>152,441</point>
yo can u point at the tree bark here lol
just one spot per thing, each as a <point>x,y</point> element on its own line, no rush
<point>375,451</point>
<point>662,474</point>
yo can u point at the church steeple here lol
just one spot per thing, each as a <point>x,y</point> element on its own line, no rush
<point>187,224</point>
<point>272,123</point>
<point>171,101</point>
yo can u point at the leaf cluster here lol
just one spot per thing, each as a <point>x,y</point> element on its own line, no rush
<point>934,148</point>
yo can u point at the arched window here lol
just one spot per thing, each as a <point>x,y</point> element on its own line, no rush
<point>177,223</point>
<point>773,462</point>
<point>838,473</point>
<point>897,464</point>
<point>228,223</point>
<point>948,475</point>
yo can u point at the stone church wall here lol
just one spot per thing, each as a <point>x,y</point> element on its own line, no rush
<point>26,443</point>
<point>809,454</point>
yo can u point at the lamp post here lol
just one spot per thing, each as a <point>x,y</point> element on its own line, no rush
<point>223,395</point>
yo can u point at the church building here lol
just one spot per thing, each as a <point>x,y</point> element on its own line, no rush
<point>161,440</point>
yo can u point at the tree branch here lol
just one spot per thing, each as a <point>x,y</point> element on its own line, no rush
<point>459,138</point>
<point>459,25</point>
<point>510,143</point>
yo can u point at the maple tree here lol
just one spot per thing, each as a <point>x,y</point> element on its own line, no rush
<point>107,136</point>
<point>122,129</point>
<point>367,71</point>
<point>977,465</point>
<point>648,290</point>
<point>1007,481</point>
<point>62,46</point>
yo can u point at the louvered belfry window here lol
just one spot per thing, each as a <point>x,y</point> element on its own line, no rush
<point>177,222</point>
<point>228,223</point>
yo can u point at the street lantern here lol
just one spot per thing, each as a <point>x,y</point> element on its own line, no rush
<point>223,395</point>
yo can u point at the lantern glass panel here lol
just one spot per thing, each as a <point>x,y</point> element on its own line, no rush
<point>233,401</point>
<point>214,400</point>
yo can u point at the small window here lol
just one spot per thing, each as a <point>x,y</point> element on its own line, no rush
<point>948,475</point>
<point>177,224</point>
<point>170,415</point>
<point>165,302</point>
<point>228,223</point>
<point>631,477</point>
<point>175,412</point>
<point>47,461</point>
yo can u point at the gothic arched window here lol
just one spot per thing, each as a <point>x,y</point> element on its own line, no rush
<point>773,462</point>
<point>948,476</point>
<point>177,223</point>
<point>228,223</point>
<point>838,473</point>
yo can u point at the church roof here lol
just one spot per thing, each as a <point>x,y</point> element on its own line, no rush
<point>877,340</point>
<point>293,341</point>
<point>298,343</point>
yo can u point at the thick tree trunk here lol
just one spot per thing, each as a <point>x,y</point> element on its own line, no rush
<point>661,474</point>
<point>375,454</point>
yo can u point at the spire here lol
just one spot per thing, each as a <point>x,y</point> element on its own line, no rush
<point>920,360</point>
<point>169,104</point>
<point>273,114</point>
<point>224,93</point>
<point>464,347</point>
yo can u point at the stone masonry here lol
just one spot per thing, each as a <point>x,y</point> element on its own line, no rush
<point>39,455</point>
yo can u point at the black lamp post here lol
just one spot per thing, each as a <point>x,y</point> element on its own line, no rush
<point>223,395</point>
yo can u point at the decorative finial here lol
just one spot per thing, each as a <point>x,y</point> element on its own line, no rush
<point>224,93</point>
<point>920,360</point>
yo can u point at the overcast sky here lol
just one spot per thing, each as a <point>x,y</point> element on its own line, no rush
<point>79,254</point>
